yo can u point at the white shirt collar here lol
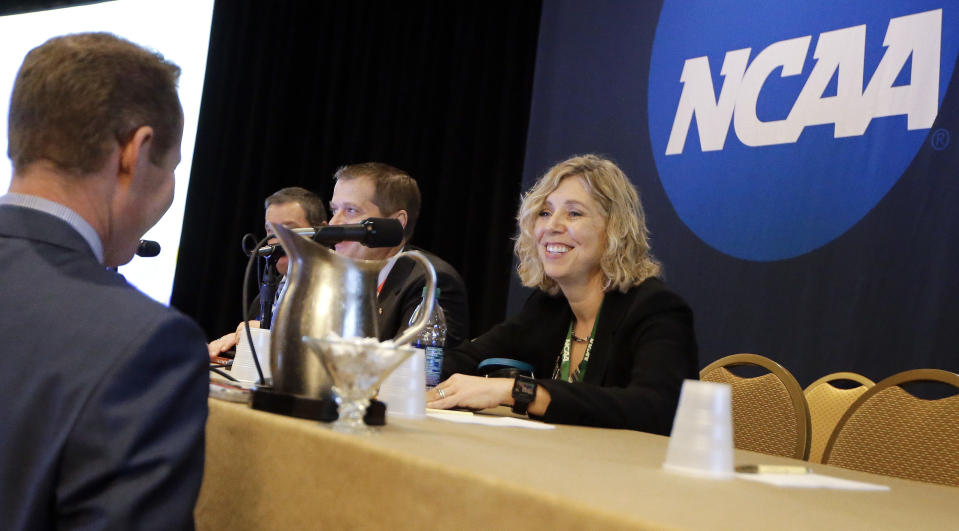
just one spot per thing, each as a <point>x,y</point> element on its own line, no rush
<point>385,272</point>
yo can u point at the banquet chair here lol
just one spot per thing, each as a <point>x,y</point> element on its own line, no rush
<point>828,403</point>
<point>892,432</point>
<point>770,414</point>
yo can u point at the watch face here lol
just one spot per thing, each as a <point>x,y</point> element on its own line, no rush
<point>524,387</point>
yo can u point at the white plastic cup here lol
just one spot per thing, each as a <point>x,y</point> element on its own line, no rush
<point>243,368</point>
<point>701,443</point>
<point>403,390</point>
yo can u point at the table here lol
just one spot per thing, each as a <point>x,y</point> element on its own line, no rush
<point>266,471</point>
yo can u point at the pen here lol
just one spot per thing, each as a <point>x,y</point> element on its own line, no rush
<point>773,469</point>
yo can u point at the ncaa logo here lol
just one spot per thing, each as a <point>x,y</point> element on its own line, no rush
<point>776,127</point>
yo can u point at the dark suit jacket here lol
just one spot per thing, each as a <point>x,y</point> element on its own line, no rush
<point>102,425</point>
<point>643,349</point>
<point>403,290</point>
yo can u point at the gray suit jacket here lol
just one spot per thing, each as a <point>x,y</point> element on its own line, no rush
<point>105,390</point>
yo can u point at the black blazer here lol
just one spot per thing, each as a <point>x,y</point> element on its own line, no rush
<point>102,425</point>
<point>403,290</point>
<point>643,349</point>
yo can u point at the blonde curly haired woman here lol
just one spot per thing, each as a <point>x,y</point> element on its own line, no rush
<point>609,343</point>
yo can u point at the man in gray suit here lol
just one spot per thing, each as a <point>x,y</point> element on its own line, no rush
<point>105,404</point>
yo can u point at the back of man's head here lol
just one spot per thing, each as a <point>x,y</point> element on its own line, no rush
<point>394,189</point>
<point>311,203</point>
<point>77,96</point>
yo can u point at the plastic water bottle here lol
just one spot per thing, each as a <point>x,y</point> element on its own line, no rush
<point>432,339</point>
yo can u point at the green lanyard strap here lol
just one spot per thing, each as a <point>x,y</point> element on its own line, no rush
<point>561,372</point>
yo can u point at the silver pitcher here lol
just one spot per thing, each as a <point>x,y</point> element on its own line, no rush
<point>327,292</point>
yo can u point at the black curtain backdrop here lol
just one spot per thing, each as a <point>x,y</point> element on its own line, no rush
<point>296,89</point>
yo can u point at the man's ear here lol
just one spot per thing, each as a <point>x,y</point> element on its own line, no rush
<point>135,151</point>
<point>401,216</point>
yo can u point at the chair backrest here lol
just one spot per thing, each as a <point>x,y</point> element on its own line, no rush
<point>889,431</point>
<point>827,404</point>
<point>770,414</point>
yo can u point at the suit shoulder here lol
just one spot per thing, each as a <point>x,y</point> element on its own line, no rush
<point>108,302</point>
<point>649,297</point>
<point>438,263</point>
<point>445,272</point>
<point>540,303</point>
<point>124,299</point>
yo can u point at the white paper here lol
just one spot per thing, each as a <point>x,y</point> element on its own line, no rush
<point>811,481</point>
<point>465,417</point>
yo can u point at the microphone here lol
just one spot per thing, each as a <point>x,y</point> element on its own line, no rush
<point>371,232</point>
<point>148,248</point>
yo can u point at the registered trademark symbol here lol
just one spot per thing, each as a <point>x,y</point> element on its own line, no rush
<point>939,139</point>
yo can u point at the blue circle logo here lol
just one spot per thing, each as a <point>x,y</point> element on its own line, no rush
<point>775,128</point>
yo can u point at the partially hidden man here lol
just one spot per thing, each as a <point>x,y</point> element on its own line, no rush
<point>378,190</point>
<point>294,208</point>
<point>105,403</point>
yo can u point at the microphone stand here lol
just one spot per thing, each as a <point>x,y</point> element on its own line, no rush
<point>268,285</point>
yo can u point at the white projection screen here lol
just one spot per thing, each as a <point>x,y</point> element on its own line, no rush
<point>180,30</point>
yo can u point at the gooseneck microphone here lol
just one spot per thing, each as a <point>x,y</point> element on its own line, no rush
<point>371,232</point>
<point>148,248</point>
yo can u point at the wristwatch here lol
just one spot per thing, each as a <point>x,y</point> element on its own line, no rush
<point>524,392</point>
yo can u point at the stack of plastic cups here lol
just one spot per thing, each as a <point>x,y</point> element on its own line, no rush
<point>701,443</point>
<point>243,368</point>
<point>402,391</point>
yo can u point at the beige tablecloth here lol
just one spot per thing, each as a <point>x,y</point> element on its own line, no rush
<point>266,471</point>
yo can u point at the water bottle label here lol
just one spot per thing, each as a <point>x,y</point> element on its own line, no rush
<point>434,365</point>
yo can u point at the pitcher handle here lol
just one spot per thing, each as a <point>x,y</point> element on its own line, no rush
<point>414,330</point>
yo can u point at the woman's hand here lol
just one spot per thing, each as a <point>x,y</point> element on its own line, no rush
<point>471,392</point>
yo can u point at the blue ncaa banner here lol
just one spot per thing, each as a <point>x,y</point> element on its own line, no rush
<point>777,126</point>
<point>797,162</point>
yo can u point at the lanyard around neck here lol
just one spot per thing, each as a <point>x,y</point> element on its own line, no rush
<point>562,371</point>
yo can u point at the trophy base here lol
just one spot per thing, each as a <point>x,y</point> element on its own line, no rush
<point>321,409</point>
